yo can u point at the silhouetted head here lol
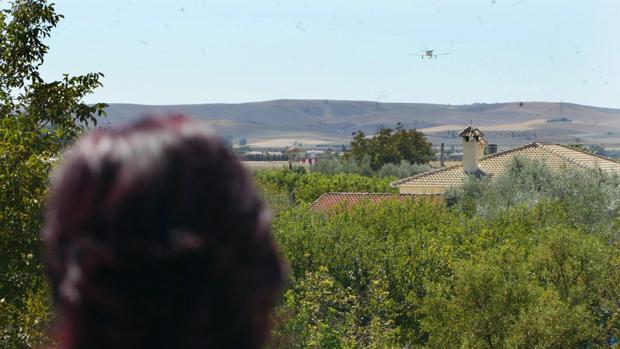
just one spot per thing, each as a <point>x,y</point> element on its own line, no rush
<point>158,239</point>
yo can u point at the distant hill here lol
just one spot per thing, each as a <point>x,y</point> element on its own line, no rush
<point>281,122</point>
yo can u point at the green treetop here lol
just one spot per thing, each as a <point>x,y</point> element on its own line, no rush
<point>390,146</point>
<point>37,119</point>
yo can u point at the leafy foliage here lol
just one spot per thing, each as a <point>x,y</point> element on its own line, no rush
<point>335,165</point>
<point>391,147</point>
<point>324,314</point>
<point>527,269</point>
<point>37,119</point>
<point>403,169</point>
<point>307,187</point>
<point>587,197</point>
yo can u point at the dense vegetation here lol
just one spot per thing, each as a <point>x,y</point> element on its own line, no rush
<point>333,164</point>
<point>390,146</point>
<point>304,187</point>
<point>529,260</point>
<point>37,119</point>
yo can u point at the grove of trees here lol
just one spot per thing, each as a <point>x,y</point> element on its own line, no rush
<point>528,260</point>
<point>390,146</point>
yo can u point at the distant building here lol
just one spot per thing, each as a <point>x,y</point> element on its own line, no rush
<point>311,157</point>
<point>556,156</point>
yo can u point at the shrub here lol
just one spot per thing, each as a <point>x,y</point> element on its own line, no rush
<point>313,185</point>
<point>335,165</point>
<point>307,187</point>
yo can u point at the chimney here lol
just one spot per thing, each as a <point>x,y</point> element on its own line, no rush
<point>473,148</point>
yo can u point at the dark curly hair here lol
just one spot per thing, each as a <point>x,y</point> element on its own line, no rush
<point>157,238</point>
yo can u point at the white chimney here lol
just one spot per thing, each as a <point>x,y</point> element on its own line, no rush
<point>473,148</point>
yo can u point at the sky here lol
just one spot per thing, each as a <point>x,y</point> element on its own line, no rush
<point>231,51</point>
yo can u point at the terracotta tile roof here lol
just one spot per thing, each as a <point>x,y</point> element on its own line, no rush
<point>554,155</point>
<point>331,200</point>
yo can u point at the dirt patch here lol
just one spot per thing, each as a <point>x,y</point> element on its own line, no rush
<point>519,126</point>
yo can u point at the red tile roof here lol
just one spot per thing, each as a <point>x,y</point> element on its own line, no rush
<point>329,201</point>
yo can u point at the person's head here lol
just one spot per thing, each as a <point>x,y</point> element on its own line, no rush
<point>157,238</point>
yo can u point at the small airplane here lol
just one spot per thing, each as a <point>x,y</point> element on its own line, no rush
<point>428,53</point>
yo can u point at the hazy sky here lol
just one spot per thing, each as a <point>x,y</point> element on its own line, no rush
<point>205,51</point>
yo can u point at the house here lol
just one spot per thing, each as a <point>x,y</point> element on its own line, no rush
<point>433,184</point>
<point>311,157</point>
<point>556,156</point>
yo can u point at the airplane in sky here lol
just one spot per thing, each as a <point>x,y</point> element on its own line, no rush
<point>428,53</point>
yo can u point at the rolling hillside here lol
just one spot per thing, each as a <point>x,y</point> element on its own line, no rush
<point>281,122</point>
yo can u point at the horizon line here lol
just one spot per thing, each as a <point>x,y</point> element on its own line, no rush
<point>349,100</point>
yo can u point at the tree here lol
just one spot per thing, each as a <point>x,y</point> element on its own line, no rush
<point>389,146</point>
<point>243,141</point>
<point>428,276</point>
<point>37,119</point>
